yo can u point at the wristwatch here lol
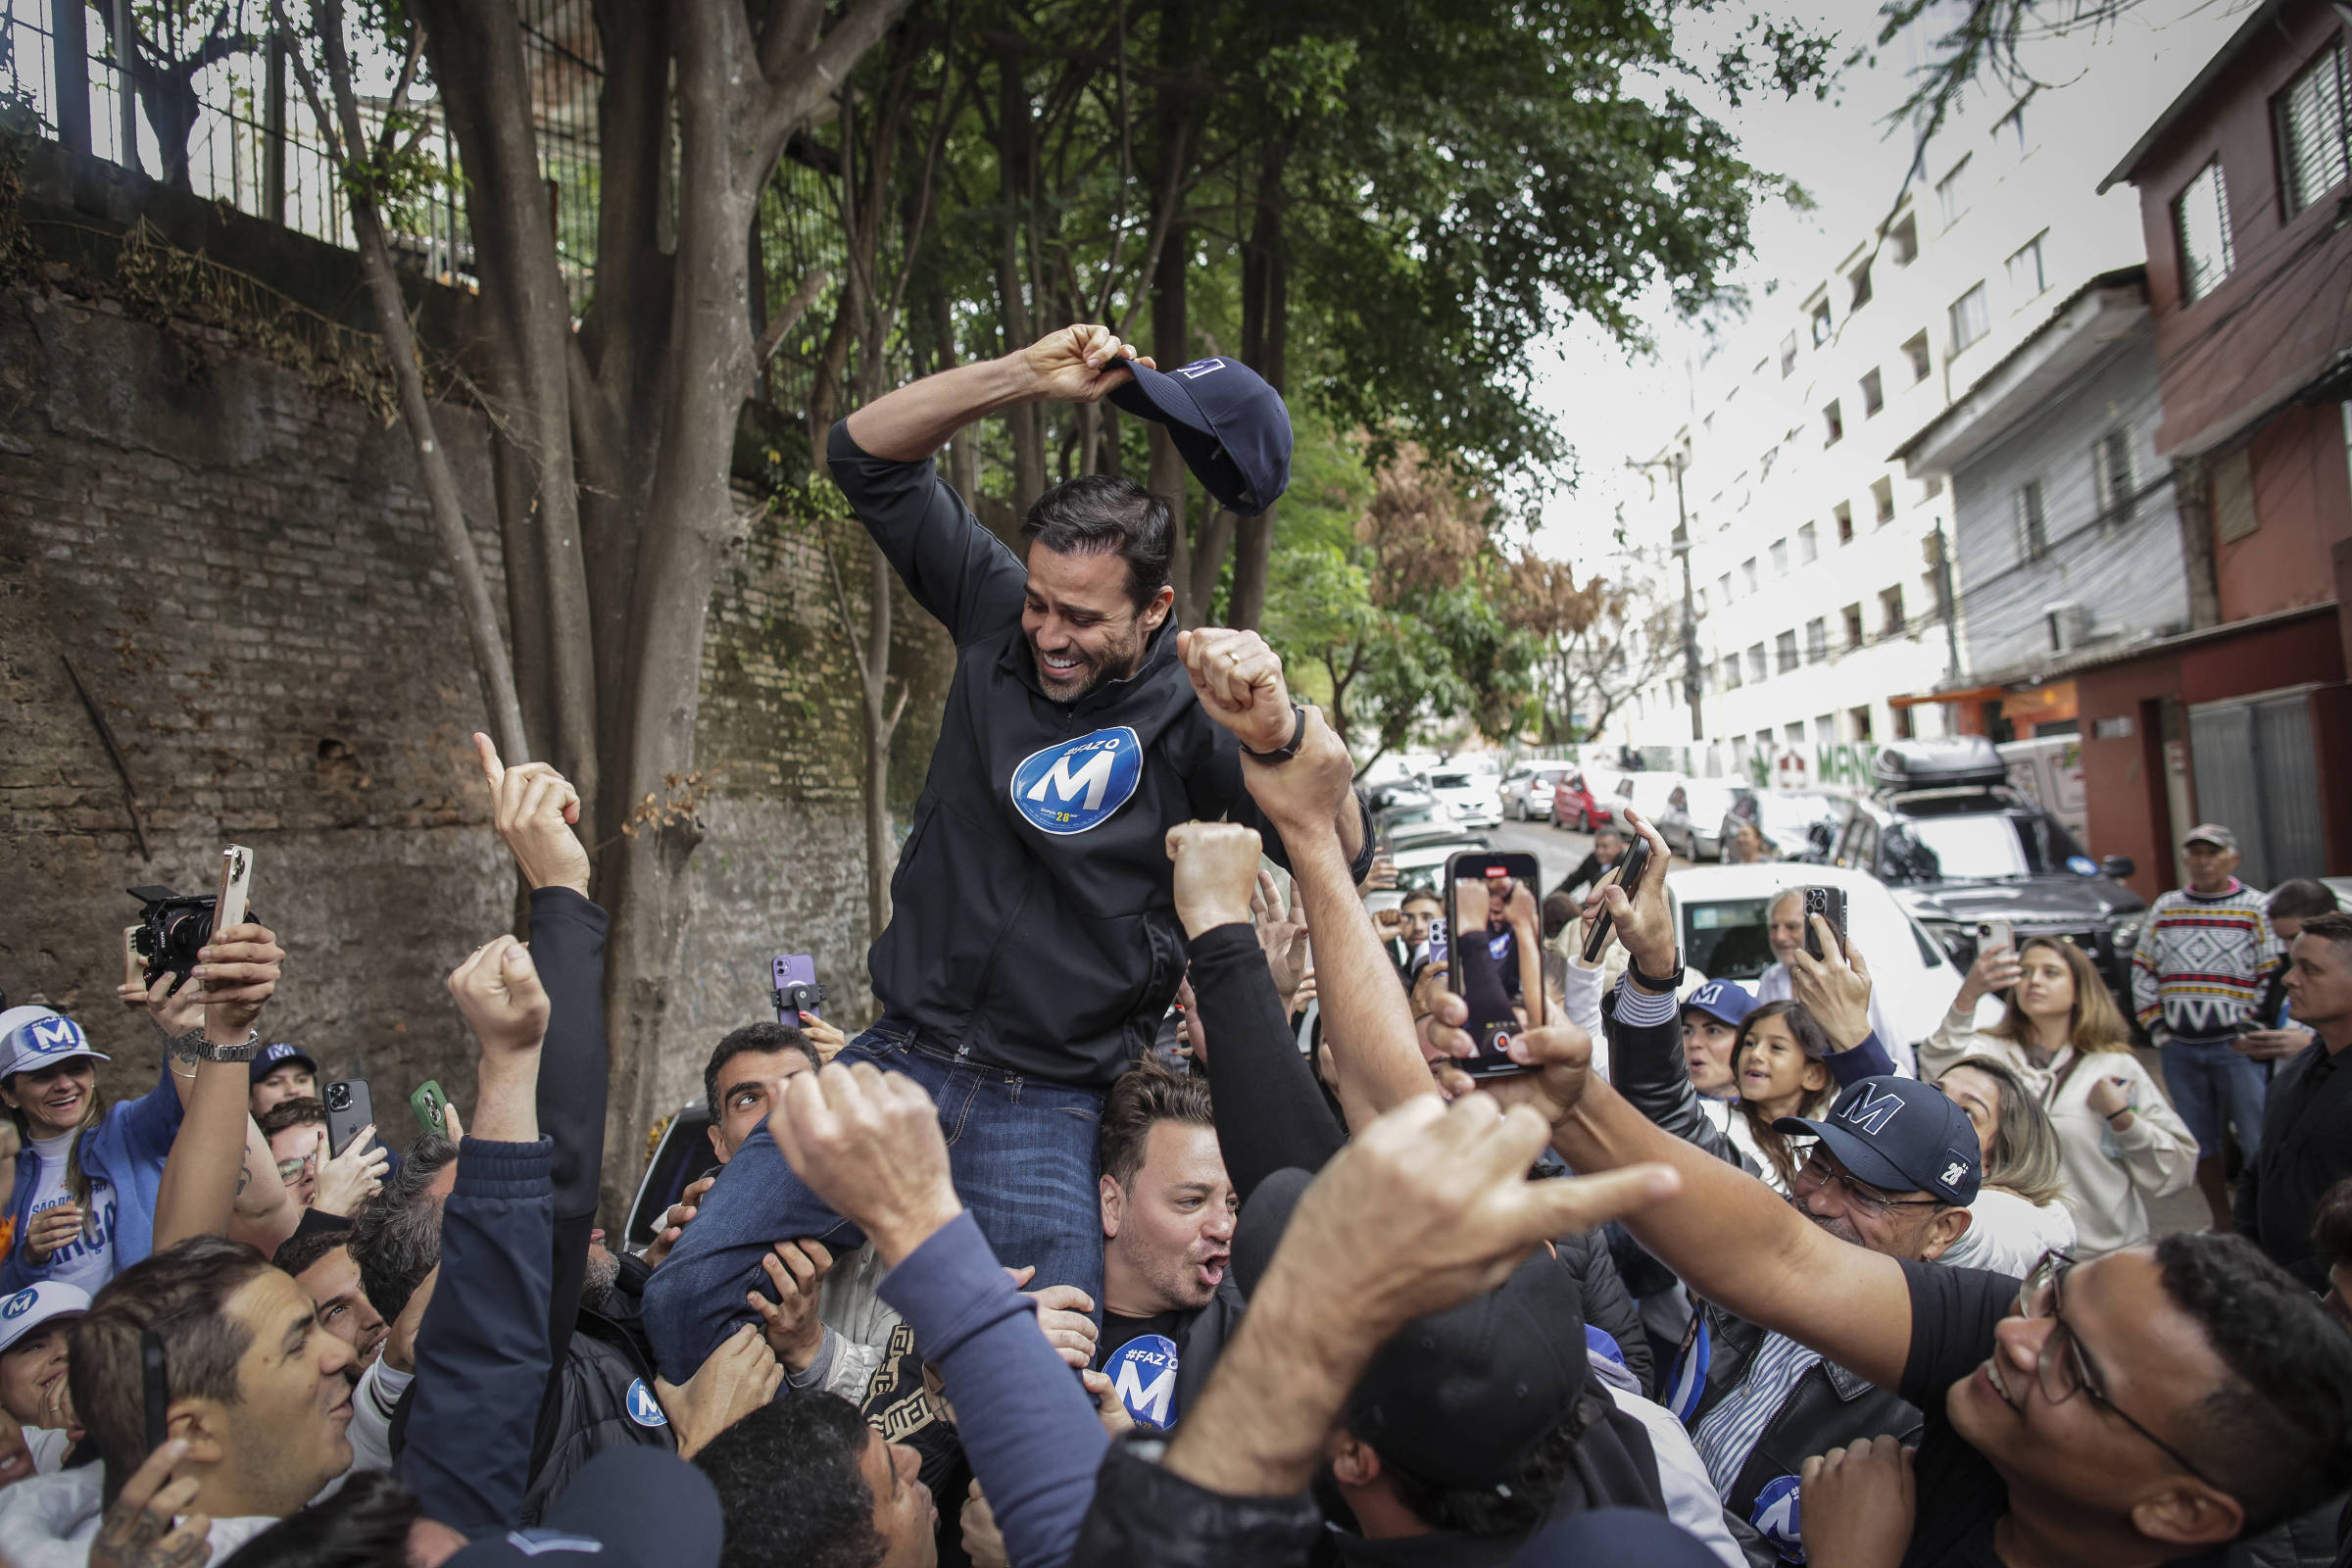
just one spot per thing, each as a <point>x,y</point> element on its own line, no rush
<point>1285,753</point>
<point>194,1047</point>
<point>1665,984</point>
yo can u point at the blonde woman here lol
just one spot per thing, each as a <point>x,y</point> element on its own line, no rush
<point>2120,1142</point>
<point>2019,1211</point>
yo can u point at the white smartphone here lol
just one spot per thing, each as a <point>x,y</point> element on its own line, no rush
<point>134,967</point>
<point>1995,934</point>
<point>236,881</point>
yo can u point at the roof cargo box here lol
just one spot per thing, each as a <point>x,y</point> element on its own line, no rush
<point>1967,762</point>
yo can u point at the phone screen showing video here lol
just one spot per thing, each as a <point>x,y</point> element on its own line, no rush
<point>1492,911</point>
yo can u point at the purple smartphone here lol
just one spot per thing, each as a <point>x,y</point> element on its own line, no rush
<point>797,988</point>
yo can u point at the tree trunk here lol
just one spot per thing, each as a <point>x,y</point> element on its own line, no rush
<point>1265,348</point>
<point>1016,149</point>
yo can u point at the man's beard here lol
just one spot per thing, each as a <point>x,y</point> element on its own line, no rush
<point>1841,1227</point>
<point>1116,661</point>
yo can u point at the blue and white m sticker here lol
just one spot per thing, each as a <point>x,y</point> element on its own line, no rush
<point>1075,785</point>
<point>644,1408</point>
<point>1143,1373</point>
<point>1777,1520</point>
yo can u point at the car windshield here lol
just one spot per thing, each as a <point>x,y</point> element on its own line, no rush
<point>1449,781</point>
<point>1726,940</point>
<point>1790,813</point>
<point>1709,800</point>
<point>1986,845</point>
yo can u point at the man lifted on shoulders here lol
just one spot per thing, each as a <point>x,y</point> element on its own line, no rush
<point>1034,942</point>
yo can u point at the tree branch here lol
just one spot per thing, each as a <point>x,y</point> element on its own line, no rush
<point>795,93</point>
<point>789,316</point>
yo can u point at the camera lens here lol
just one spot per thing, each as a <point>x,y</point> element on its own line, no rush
<point>338,1097</point>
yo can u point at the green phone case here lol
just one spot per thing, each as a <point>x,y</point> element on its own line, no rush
<point>426,1102</point>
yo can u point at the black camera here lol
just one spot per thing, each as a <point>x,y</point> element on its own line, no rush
<point>798,998</point>
<point>172,929</point>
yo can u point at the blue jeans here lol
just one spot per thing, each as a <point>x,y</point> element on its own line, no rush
<point>2211,1082</point>
<point>1022,1153</point>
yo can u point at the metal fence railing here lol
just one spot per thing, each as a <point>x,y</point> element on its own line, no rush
<point>218,111</point>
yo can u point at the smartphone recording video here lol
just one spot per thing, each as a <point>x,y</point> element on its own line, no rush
<point>1496,966</point>
<point>1829,905</point>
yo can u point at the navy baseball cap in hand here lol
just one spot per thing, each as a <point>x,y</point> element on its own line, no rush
<point>1229,426</point>
<point>1900,1136</point>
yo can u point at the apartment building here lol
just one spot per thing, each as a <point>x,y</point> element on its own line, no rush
<point>1820,583</point>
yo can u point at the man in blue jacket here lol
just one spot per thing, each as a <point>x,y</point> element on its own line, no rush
<point>1034,944</point>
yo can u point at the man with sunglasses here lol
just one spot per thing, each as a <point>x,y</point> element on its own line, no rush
<point>2150,1405</point>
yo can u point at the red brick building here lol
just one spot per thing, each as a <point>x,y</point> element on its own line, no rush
<point>2245,187</point>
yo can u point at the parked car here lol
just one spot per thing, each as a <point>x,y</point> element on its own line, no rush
<point>1467,793</point>
<point>1720,912</point>
<point>1959,846</point>
<point>1695,809</point>
<point>1527,789</point>
<point>1421,865</point>
<point>1573,805</point>
<point>1650,793</point>
<point>1396,792</point>
<point>1795,824</point>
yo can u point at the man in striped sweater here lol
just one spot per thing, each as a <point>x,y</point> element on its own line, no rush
<point>2204,957</point>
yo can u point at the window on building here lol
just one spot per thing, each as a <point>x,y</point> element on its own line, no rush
<point>1731,672</point>
<point>2233,514</point>
<point>2111,471</point>
<point>1873,393</point>
<point>1723,587</point>
<point>1821,323</point>
<point>1793,733</point>
<point>2026,280</point>
<point>1816,640</point>
<point>1951,193</point>
<point>1882,499</point>
<point>2201,228</point>
<point>1764,742</point>
<point>1902,724</point>
<point>1972,317</point>
<point>1853,626</point>
<point>1780,558</point>
<point>1891,611</point>
<point>2315,135</point>
<point>1860,718</point>
<point>1699,603</point>
<point>1825,730</point>
<point>1808,546</point>
<point>1844,516</point>
<point>1755,661</point>
<point>2032,526</point>
<point>1787,356</point>
<point>1902,240</point>
<point>1748,574</point>
<point>1922,361</point>
<point>1859,277</point>
<point>1783,651</point>
<point>1833,424</point>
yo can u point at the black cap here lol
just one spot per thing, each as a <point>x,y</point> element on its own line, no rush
<point>1228,424</point>
<point>1901,1135</point>
<point>628,1507</point>
<point>1458,1398</point>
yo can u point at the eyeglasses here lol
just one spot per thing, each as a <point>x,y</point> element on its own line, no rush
<point>1820,1170</point>
<point>2064,1369</point>
<point>288,1169</point>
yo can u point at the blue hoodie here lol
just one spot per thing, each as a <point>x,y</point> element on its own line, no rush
<point>126,1150</point>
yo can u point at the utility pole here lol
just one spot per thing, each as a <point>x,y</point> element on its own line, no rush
<point>1692,683</point>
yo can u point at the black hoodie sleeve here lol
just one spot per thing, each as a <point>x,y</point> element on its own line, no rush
<point>1270,1111</point>
<point>568,947</point>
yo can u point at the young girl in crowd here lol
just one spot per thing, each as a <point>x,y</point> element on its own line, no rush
<point>2020,1213</point>
<point>1780,1067</point>
<point>2120,1142</point>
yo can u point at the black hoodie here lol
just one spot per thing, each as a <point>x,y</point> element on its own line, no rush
<point>1034,919</point>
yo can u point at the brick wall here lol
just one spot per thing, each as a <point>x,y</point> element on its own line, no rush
<point>242,569</point>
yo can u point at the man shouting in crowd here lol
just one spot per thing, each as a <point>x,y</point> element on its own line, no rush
<point>1034,944</point>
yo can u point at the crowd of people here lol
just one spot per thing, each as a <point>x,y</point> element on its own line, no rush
<point>1085,1253</point>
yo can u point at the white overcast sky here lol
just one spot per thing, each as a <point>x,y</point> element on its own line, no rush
<point>1840,152</point>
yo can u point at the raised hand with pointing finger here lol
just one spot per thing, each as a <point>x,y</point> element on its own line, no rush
<point>535,809</point>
